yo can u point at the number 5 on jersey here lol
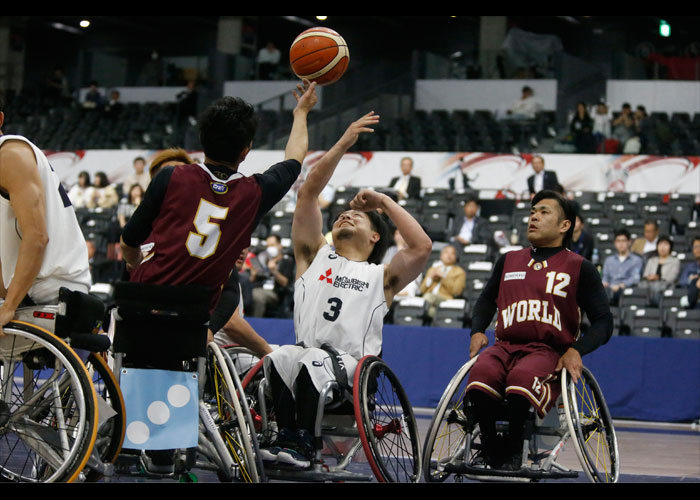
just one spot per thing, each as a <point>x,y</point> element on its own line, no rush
<point>202,243</point>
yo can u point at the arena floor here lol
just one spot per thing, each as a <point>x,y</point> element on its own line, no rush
<point>649,453</point>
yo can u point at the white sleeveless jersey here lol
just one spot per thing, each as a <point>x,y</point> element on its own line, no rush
<point>66,259</point>
<point>340,302</point>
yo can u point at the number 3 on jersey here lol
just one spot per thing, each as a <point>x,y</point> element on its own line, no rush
<point>336,304</point>
<point>202,243</point>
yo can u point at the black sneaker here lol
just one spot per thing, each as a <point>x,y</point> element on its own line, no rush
<point>301,453</point>
<point>286,438</point>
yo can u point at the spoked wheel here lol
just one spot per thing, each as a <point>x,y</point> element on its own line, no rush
<point>591,427</point>
<point>50,426</point>
<point>451,430</point>
<point>110,434</point>
<point>233,423</point>
<point>386,423</point>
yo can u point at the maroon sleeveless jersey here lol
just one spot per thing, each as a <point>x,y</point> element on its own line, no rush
<point>537,300</point>
<point>203,225</point>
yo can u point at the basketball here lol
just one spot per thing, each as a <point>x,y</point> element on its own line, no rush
<point>319,55</point>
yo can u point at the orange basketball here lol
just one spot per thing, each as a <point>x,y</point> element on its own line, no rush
<point>319,55</point>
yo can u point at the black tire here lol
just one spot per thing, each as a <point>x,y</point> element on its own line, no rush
<point>52,427</point>
<point>591,427</point>
<point>386,424</point>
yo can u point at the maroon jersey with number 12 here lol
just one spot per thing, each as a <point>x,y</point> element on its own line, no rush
<point>537,300</point>
<point>203,225</point>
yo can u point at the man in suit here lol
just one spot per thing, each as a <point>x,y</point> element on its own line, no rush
<point>444,280</point>
<point>646,245</point>
<point>541,179</point>
<point>470,229</point>
<point>406,185</point>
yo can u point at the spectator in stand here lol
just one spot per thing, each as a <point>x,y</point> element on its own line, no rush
<point>582,242</point>
<point>268,61</point>
<point>541,179</point>
<point>661,271</point>
<point>623,270</point>
<point>187,102</point>
<point>407,185</point>
<point>690,276</point>
<point>113,107</point>
<point>646,246</point>
<point>601,125</point>
<point>138,176</point>
<point>93,98</point>
<point>527,111</point>
<point>128,205</point>
<point>581,129</point>
<point>444,280</point>
<point>623,126</point>
<point>471,229</point>
<point>79,192</point>
<point>274,280</point>
<point>644,131</point>
<point>102,194</point>
<point>57,90</point>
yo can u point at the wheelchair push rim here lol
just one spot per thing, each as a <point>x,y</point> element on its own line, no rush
<point>53,407</point>
<point>591,427</point>
<point>386,423</point>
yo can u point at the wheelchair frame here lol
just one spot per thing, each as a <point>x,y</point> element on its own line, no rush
<point>581,412</point>
<point>375,416</point>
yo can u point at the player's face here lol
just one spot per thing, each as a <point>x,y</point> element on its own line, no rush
<point>351,223</point>
<point>547,225</point>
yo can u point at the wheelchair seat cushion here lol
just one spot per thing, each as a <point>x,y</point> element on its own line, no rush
<point>79,313</point>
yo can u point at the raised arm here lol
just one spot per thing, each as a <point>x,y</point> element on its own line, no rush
<point>408,262</point>
<point>307,225</point>
<point>298,142</point>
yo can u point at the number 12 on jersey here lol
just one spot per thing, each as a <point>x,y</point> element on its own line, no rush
<point>202,243</point>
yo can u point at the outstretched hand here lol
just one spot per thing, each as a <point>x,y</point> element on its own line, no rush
<point>306,98</point>
<point>362,125</point>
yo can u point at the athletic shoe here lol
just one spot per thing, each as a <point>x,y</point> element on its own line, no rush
<point>299,454</point>
<point>285,438</point>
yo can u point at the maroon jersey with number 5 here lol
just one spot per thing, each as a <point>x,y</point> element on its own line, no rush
<point>537,300</point>
<point>203,225</point>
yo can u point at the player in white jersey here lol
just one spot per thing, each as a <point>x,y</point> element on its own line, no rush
<point>41,245</point>
<point>341,295</point>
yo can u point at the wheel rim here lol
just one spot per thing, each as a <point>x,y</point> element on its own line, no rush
<point>52,427</point>
<point>591,427</point>
<point>389,427</point>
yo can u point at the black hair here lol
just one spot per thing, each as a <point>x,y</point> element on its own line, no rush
<point>226,128</point>
<point>379,225</point>
<point>667,239</point>
<point>567,209</point>
<point>623,232</point>
<point>2,100</point>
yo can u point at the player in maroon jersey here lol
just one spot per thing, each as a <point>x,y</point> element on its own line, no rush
<point>198,218</point>
<point>538,293</point>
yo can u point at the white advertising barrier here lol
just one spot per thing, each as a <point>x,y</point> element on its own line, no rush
<point>491,173</point>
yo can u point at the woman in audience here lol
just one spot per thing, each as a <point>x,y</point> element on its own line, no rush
<point>661,271</point>
<point>102,194</point>
<point>127,206</point>
<point>78,194</point>
<point>581,129</point>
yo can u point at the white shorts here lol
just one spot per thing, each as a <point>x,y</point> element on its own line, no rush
<point>290,359</point>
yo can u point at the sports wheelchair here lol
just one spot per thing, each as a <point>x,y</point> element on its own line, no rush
<point>374,415</point>
<point>48,405</point>
<point>165,328</point>
<point>452,442</point>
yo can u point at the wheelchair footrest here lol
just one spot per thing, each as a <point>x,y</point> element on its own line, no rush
<point>525,472</point>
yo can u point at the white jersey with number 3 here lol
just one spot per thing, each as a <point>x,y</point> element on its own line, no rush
<point>340,302</point>
<point>65,259</point>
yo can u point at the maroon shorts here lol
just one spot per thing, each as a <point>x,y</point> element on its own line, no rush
<point>525,369</point>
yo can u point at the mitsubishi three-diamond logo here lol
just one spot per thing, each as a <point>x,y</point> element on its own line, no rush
<point>326,276</point>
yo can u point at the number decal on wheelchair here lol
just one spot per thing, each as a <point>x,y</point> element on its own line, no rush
<point>336,304</point>
<point>202,243</point>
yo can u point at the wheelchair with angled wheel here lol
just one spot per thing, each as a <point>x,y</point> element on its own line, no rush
<point>49,408</point>
<point>580,415</point>
<point>373,416</point>
<point>164,329</point>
